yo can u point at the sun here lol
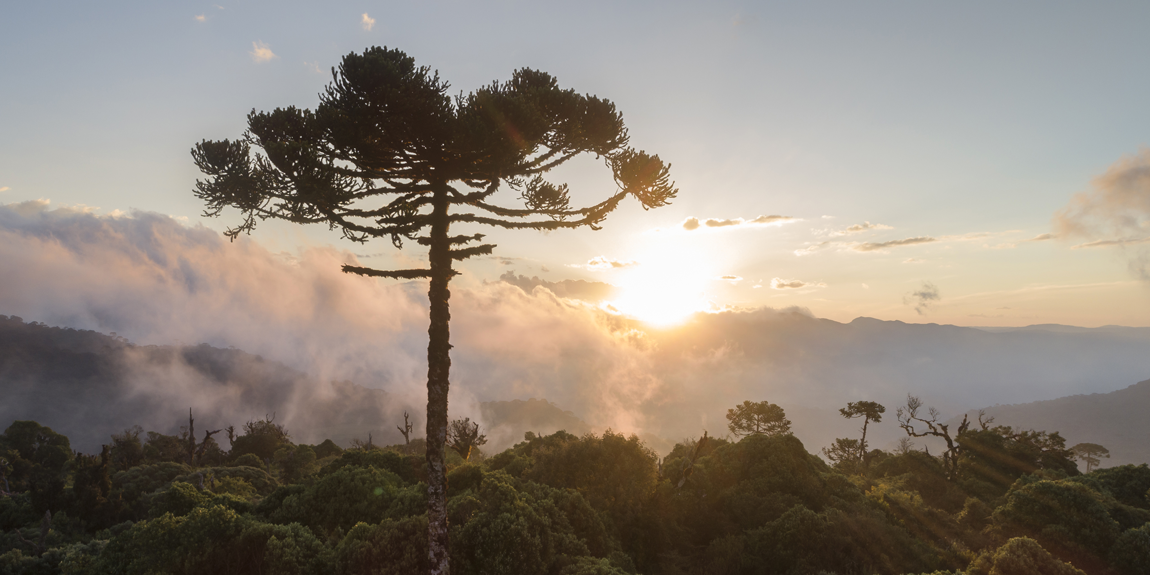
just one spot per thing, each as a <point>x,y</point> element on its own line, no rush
<point>660,297</point>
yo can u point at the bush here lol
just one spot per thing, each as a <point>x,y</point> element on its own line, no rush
<point>214,540</point>
<point>1021,556</point>
<point>1131,552</point>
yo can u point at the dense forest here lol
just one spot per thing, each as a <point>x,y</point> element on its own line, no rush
<point>997,501</point>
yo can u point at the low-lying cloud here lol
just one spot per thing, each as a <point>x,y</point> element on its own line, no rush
<point>154,280</point>
<point>592,292</point>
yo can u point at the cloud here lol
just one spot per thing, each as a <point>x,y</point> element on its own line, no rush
<point>603,263</point>
<point>858,228</point>
<point>592,292</point>
<point>811,249</point>
<point>1042,238</point>
<point>1112,243</point>
<point>923,299</point>
<point>733,279</point>
<point>155,280</point>
<point>4,189</point>
<point>1115,212</point>
<point>693,223</point>
<point>368,22</point>
<point>201,18</point>
<point>261,53</point>
<point>782,284</point>
<point>314,67</point>
<point>913,261</point>
<point>878,246</point>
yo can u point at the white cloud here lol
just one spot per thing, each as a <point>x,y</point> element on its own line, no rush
<point>313,67</point>
<point>201,18</point>
<point>261,53</point>
<point>603,263</point>
<point>781,284</point>
<point>858,228</point>
<point>811,249</point>
<point>913,261</point>
<point>1121,242</point>
<point>368,22</point>
<point>693,223</point>
<point>1041,238</point>
<point>733,279</point>
<point>5,189</point>
<point>879,246</point>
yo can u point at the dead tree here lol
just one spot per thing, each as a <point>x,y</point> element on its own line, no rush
<point>195,452</point>
<point>405,430</point>
<point>908,417</point>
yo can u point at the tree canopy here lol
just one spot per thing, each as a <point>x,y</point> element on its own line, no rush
<point>754,418</point>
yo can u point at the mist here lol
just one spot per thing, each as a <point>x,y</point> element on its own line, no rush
<point>155,281</point>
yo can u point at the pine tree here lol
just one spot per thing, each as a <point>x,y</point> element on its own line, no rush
<point>388,154</point>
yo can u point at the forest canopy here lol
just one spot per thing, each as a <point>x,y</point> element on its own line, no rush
<point>562,504</point>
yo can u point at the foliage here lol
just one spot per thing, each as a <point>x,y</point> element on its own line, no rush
<point>1021,556</point>
<point>754,418</point>
<point>38,458</point>
<point>261,438</point>
<point>463,436</point>
<point>342,498</point>
<point>211,539</point>
<point>1067,518</point>
<point>991,460</point>
<point>1131,552</point>
<point>595,504</point>
<point>409,468</point>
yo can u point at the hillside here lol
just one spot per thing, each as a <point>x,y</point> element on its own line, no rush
<point>1117,420</point>
<point>89,385</point>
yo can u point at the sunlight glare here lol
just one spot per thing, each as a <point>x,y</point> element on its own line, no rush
<point>662,296</point>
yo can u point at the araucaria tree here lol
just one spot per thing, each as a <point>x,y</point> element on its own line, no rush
<point>851,454</point>
<point>388,154</point>
<point>755,418</point>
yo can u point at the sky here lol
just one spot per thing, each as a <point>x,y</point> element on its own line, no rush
<point>977,164</point>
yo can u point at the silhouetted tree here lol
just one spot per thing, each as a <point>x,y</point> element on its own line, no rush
<point>751,418</point>
<point>1090,453</point>
<point>851,454</point>
<point>387,153</point>
<point>406,429</point>
<point>908,419</point>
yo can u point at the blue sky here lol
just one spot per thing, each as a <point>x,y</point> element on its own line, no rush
<point>967,127</point>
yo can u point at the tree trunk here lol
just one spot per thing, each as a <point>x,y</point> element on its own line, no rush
<point>438,368</point>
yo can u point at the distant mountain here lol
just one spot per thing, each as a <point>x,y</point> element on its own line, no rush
<point>88,385</point>
<point>1119,421</point>
<point>664,385</point>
